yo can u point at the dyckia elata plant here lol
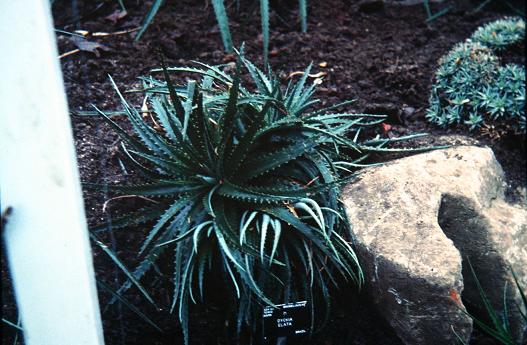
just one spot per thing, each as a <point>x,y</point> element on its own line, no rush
<point>246,183</point>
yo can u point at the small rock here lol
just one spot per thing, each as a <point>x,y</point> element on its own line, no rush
<point>364,83</point>
<point>274,52</point>
<point>408,111</point>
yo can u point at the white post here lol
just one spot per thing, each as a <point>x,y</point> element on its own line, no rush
<point>48,249</point>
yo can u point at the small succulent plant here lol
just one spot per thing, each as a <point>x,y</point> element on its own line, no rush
<point>246,184</point>
<point>471,87</point>
<point>501,33</point>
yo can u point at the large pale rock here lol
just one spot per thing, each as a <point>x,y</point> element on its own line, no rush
<point>414,221</point>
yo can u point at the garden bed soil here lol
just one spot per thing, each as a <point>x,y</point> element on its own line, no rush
<point>383,58</point>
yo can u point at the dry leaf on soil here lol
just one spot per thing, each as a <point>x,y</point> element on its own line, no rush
<point>88,46</point>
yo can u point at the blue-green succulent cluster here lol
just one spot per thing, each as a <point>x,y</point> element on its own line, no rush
<point>501,33</point>
<point>472,87</point>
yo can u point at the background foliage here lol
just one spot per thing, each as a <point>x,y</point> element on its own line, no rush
<point>223,21</point>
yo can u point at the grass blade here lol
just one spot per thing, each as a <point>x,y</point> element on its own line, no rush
<point>149,18</point>
<point>522,295</point>
<point>119,263</point>
<point>127,304</point>
<point>12,324</point>
<point>223,24</point>
<point>264,14</point>
<point>121,3</point>
<point>303,15</point>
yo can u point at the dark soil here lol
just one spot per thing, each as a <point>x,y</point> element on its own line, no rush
<point>383,57</point>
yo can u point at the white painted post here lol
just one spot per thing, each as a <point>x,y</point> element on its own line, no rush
<point>48,249</point>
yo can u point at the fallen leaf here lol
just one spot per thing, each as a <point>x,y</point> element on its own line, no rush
<point>144,107</point>
<point>316,75</point>
<point>82,32</point>
<point>323,64</point>
<point>454,296</point>
<point>121,32</point>
<point>310,182</point>
<point>229,58</point>
<point>291,209</point>
<point>385,127</point>
<point>88,46</point>
<point>71,52</point>
<point>116,16</point>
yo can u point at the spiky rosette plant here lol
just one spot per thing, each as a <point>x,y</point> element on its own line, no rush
<point>246,184</point>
